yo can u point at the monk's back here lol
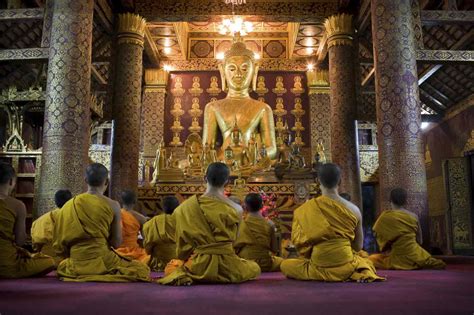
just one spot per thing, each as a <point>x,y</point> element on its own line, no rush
<point>130,229</point>
<point>7,222</point>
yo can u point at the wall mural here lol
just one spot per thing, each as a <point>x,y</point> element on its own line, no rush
<point>189,92</point>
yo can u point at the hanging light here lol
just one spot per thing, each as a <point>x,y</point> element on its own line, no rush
<point>235,25</point>
<point>235,2</point>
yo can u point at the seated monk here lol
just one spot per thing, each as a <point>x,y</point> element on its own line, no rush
<point>206,228</point>
<point>42,228</point>
<point>256,239</point>
<point>132,222</point>
<point>327,231</point>
<point>159,235</point>
<point>86,229</point>
<point>16,262</point>
<point>399,236</point>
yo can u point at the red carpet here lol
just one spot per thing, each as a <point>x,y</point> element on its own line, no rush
<point>415,292</point>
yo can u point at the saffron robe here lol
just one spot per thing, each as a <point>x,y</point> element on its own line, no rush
<point>130,247</point>
<point>16,262</point>
<point>254,243</point>
<point>322,231</point>
<point>81,233</point>
<point>42,234</point>
<point>205,230</point>
<point>159,240</point>
<point>395,231</point>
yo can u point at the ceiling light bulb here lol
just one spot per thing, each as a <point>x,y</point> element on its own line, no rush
<point>220,55</point>
<point>256,56</point>
<point>310,66</point>
<point>167,50</point>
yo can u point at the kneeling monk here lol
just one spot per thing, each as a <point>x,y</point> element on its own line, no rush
<point>256,238</point>
<point>86,228</point>
<point>16,262</point>
<point>327,231</point>
<point>159,235</point>
<point>397,232</point>
<point>42,228</point>
<point>132,222</point>
<point>206,227</point>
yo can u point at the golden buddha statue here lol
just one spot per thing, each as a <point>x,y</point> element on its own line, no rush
<point>238,70</point>
<point>240,153</point>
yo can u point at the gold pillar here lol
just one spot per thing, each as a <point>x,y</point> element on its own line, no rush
<point>67,108</point>
<point>340,31</point>
<point>320,110</point>
<point>152,117</point>
<point>126,103</point>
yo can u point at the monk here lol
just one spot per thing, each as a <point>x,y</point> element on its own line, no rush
<point>42,228</point>
<point>206,227</point>
<point>159,235</point>
<point>256,238</point>
<point>16,262</point>
<point>327,232</point>
<point>87,229</point>
<point>132,222</point>
<point>398,234</point>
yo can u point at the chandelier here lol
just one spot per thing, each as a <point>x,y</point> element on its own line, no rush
<point>235,25</point>
<point>235,2</point>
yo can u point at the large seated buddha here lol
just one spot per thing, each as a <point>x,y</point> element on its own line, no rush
<point>238,70</point>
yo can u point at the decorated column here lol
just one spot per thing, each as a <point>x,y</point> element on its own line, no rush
<point>67,108</point>
<point>152,116</point>
<point>401,155</point>
<point>340,30</point>
<point>126,103</point>
<point>320,111</point>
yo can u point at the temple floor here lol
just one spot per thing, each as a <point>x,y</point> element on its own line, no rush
<point>405,292</point>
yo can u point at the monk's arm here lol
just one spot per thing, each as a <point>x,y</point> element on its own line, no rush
<point>358,241</point>
<point>210,121</point>
<point>140,217</point>
<point>20,228</point>
<point>267,127</point>
<point>419,234</point>
<point>116,227</point>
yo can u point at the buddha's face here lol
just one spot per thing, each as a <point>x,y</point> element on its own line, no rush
<point>238,72</point>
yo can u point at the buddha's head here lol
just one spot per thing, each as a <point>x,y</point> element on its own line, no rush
<point>239,69</point>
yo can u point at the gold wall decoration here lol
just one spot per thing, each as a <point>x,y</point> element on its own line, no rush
<point>177,128</point>
<point>318,81</point>
<point>339,29</point>
<point>11,94</point>
<point>213,89</point>
<point>369,166</point>
<point>428,160</point>
<point>195,113</point>
<point>469,146</point>
<point>196,88</point>
<point>298,86</point>
<point>261,88</point>
<point>298,112</point>
<point>279,112</point>
<point>279,86</point>
<point>156,80</point>
<point>437,200</point>
<point>178,90</point>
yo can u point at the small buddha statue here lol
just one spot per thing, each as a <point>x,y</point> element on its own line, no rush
<point>279,86</point>
<point>160,162</point>
<point>206,157</point>
<point>213,152</point>
<point>253,150</point>
<point>240,153</point>
<point>213,87</point>
<point>297,86</point>
<point>322,155</point>
<point>238,71</point>
<point>261,88</point>
<point>229,158</point>
<point>264,163</point>
<point>284,151</point>
<point>296,159</point>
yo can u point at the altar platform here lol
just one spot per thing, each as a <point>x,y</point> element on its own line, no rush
<point>405,292</point>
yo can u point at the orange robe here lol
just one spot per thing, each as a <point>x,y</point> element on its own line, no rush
<point>395,231</point>
<point>129,247</point>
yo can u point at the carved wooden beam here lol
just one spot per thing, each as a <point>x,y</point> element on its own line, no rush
<point>465,39</point>
<point>12,95</point>
<point>445,56</point>
<point>96,74</point>
<point>151,50</point>
<point>363,19</point>
<point>181,29</point>
<point>19,15</point>
<point>293,29</point>
<point>440,96</point>
<point>368,77</point>
<point>433,103</point>
<point>323,49</point>
<point>105,15</point>
<point>24,54</point>
<point>434,17</point>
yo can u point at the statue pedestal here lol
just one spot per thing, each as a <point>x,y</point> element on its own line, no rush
<point>171,176</point>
